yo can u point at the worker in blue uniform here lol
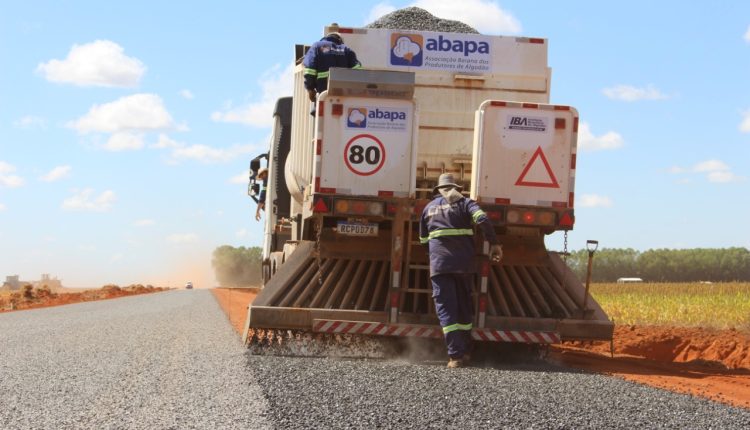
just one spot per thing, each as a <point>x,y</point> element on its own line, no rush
<point>446,226</point>
<point>328,52</point>
<point>263,179</point>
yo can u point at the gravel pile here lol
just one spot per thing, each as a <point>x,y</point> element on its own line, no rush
<point>334,394</point>
<point>164,360</point>
<point>414,18</point>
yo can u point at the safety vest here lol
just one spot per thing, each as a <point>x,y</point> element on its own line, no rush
<point>447,229</point>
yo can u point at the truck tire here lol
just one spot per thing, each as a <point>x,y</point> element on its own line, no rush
<point>277,259</point>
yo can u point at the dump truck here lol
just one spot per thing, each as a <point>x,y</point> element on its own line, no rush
<point>346,187</point>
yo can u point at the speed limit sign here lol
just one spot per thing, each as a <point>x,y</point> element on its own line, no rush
<point>364,154</point>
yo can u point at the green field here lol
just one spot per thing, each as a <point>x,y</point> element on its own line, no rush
<point>719,305</point>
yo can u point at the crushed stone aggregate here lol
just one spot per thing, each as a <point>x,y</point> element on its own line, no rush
<point>163,360</point>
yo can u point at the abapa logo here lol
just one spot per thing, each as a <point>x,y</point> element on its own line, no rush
<point>389,115</point>
<point>464,46</point>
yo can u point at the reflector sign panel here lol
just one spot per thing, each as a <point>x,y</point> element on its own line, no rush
<point>523,152</point>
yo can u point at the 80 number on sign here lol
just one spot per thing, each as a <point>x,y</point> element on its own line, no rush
<point>364,154</point>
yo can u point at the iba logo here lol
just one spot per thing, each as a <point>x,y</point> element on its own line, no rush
<point>406,49</point>
<point>357,118</point>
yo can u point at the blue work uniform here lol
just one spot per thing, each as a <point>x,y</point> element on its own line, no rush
<point>447,229</point>
<point>262,193</point>
<point>323,55</point>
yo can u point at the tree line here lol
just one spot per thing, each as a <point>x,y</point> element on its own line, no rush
<point>237,267</point>
<point>665,265</point>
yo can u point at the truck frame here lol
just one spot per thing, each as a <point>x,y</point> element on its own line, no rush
<point>346,188</point>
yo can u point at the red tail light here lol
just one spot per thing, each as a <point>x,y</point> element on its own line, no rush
<point>566,220</point>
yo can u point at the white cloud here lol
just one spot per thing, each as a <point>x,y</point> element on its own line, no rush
<point>7,177</point>
<point>30,121</point>
<point>6,168</point>
<point>166,142</point>
<point>745,124</point>
<point>242,233</point>
<point>187,94</point>
<point>716,171</point>
<point>379,10</point>
<point>208,154</point>
<point>723,177</point>
<point>84,200</point>
<point>747,35</point>
<point>100,63</point>
<point>275,83</point>
<point>56,174</point>
<point>124,141</point>
<point>137,112</point>
<point>630,93</point>
<point>144,222</point>
<point>710,166</point>
<point>588,142</point>
<point>182,238</point>
<point>11,181</point>
<point>198,152</point>
<point>240,178</point>
<point>594,201</point>
<point>2,207</point>
<point>485,15</point>
<point>675,170</point>
<point>115,258</point>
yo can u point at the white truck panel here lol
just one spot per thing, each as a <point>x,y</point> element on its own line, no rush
<point>524,154</point>
<point>366,148</point>
<point>450,85</point>
<point>455,53</point>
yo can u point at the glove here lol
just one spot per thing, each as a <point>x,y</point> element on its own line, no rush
<point>312,94</point>
<point>496,253</point>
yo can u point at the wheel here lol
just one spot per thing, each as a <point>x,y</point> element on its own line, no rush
<point>277,259</point>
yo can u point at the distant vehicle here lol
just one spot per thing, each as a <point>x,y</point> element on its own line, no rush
<point>628,280</point>
<point>189,286</point>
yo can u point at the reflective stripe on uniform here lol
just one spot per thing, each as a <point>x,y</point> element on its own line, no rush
<point>358,66</point>
<point>477,214</point>
<point>322,75</point>
<point>454,327</point>
<point>423,240</point>
<point>311,72</point>
<point>450,232</point>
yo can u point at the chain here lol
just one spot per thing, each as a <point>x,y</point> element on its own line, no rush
<point>565,248</point>
<point>317,251</point>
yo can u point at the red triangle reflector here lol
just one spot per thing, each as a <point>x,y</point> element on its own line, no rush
<point>566,220</point>
<point>320,206</point>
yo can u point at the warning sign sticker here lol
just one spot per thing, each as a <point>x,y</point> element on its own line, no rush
<point>364,154</point>
<point>537,172</point>
<point>527,123</point>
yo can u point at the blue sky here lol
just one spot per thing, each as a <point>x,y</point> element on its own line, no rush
<point>126,130</point>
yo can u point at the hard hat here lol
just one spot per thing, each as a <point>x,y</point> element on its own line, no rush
<point>446,180</point>
<point>335,37</point>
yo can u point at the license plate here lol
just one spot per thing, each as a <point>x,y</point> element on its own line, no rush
<point>357,229</point>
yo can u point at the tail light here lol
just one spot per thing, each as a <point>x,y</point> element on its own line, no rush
<point>530,217</point>
<point>359,207</point>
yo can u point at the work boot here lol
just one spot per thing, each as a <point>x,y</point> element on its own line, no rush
<point>454,363</point>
